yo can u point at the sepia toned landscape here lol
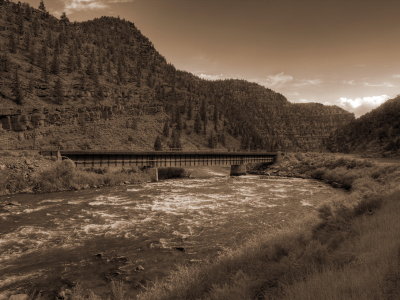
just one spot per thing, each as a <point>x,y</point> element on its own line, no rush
<point>261,162</point>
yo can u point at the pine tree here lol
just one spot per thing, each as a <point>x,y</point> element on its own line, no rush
<point>221,139</point>
<point>158,144</point>
<point>42,7</point>
<point>20,23</point>
<point>166,129</point>
<point>176,140</point>
<point>212,141</point>
<point>205,126</point>
<point>203,110</point>
<point>16,89</point>
<point>64,19</point>
<point>12,46</point>
<point>197,124</point>
<point>32,54</point>
<point>27,41</point>
<point>189,111</point>
<point>43,62</point>
<point>55,64</point>
<point>4,63</point>
<point>35,27</point>
<point>58,92</point>
<point>71,61</point>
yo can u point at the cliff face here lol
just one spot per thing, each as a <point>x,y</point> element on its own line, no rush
<point>59,78</point>
<point>377,132</point>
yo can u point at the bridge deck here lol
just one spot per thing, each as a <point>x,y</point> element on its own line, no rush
<point>162,159</point>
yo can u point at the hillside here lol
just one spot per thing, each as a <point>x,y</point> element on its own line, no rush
<point>101,84</point>
<point>377,132</point>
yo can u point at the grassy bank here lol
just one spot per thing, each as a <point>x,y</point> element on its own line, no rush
<point>29,172</point>
<point>350,250</point>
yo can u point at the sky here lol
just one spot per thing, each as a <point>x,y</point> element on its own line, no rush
<point>335,52</point>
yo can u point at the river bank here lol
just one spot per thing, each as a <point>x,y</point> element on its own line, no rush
<point>28,172</point>
<point>349,252</point>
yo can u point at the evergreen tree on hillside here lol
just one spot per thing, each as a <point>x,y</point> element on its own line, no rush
<point>55,64</point>
<point>71,61</point>
<point>176,140</point>
<point>4,63</point>
<point>20,23</point>
<point>212,141</point>
<point>35,27</point>
<point>42,7</point>
<point>16,89</point>
<point>58,92</point>
<point>158,144</point>
<point>27,41</point>
<point>166,129</point>
<point>43,62</point>
<point>197,124</point>
<point>203,111</point>
<point>189,112</point>
<point>64,19</point>
<point>12,45</point>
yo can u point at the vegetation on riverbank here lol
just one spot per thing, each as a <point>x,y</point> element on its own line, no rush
<point>354,241</point>
<point>28,172</point>
<point>348,250</point>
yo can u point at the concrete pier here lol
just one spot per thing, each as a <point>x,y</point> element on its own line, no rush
<point>237,170</point>
<point>153,172</point>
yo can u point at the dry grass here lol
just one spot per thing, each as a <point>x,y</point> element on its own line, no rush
<point>65,176</point>
<point>374,274</point>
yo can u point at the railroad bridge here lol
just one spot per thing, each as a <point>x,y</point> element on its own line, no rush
<point>155,159</point>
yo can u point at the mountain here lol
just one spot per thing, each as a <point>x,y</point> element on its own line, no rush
<point>377,132</point>
<point>101,84</point>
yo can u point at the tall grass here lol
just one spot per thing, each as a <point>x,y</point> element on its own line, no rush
<point>65,176</point>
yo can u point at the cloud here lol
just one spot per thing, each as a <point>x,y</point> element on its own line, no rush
<point>397,76</point>
<point>308,82</point>
<point>78,5</point>
<point>383,84</point>
<point>211,76</point>
<point>362,105</point>
<point>349,82</point>
<point>277,80</point>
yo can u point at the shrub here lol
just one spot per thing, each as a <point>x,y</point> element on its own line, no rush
<point>172,172</point>
<point>367,205</point>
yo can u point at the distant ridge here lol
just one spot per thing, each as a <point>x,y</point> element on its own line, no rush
<point>100,84</point>
<point>377,132</point>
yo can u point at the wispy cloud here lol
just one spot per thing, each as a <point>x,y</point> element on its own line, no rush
<point>78,5</point>
<point>362,105</point>
<point>382,84</point>
<point>308,82</point>
<point>349,82</point>
<point>397,76</point>
<point>277,80</point>
<point>211,76</point>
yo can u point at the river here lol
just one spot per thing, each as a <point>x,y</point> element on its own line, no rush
<point>139,233</point>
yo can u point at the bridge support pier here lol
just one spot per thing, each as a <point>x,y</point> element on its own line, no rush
<point>153,172</point>
<point>237,170</point>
